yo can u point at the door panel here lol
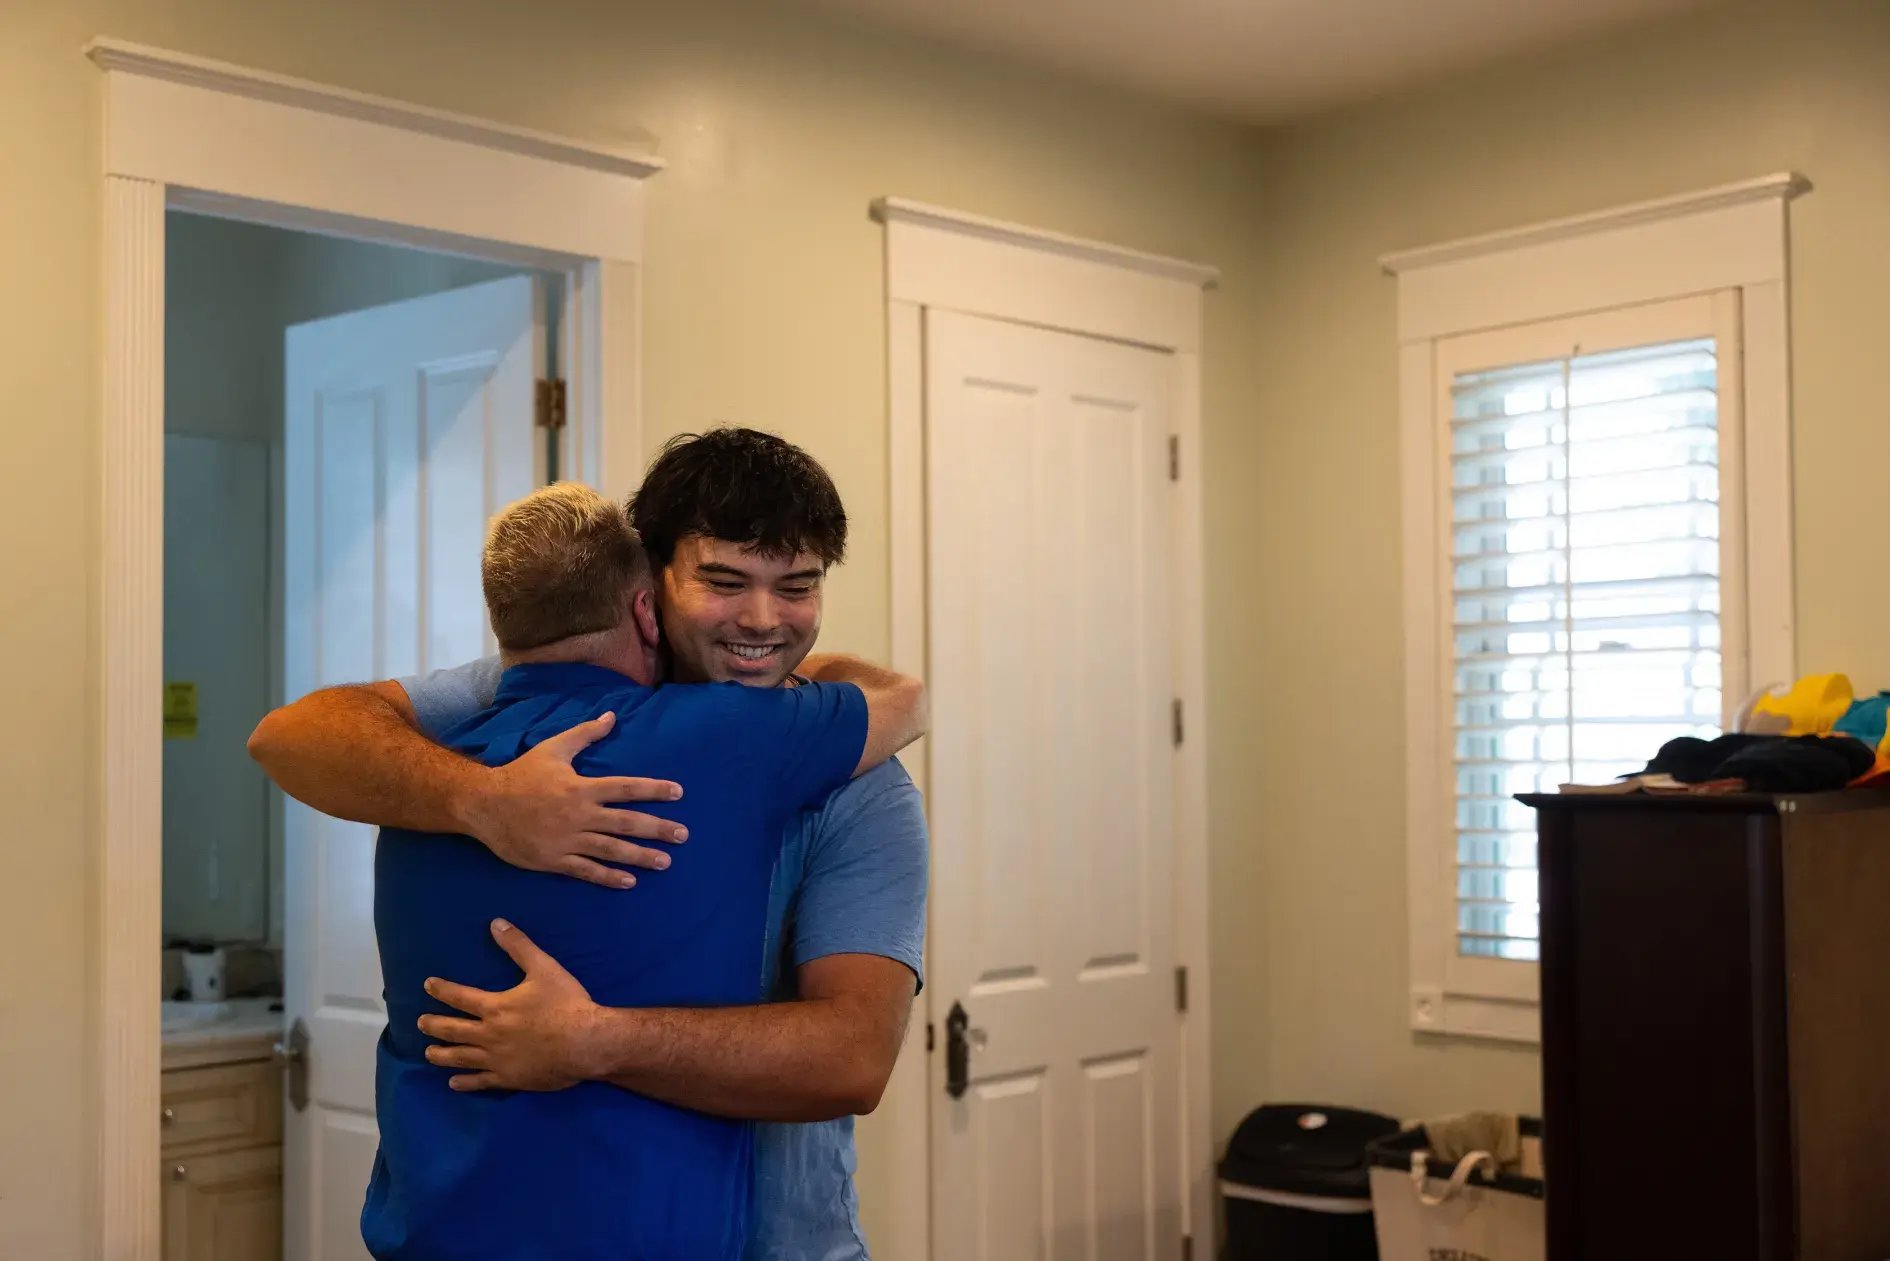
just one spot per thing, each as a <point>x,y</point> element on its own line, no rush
<point>407,426</point>
<point>1050,792</point>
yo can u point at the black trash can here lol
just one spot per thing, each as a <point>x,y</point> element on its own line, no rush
<point>1297,1184</point>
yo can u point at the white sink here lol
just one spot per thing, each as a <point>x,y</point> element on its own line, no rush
<point>179,1016</point>
<point>233,1017</point>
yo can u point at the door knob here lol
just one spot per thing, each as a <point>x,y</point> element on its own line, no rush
<point>292,1054</point>
<point>957,1052</point>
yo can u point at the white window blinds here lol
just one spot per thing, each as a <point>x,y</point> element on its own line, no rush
<point>1585,584</point>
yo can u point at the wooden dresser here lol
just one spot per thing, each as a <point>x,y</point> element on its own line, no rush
<point>1716,1026</point>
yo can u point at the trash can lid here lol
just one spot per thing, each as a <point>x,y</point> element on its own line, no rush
<point>1307,1149</point>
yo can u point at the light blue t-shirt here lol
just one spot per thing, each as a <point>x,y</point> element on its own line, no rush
<point>851,879</point>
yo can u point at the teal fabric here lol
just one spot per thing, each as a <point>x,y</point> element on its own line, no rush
<point>1867,719</point>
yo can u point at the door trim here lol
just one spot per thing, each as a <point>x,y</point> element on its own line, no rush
<point>184,132</point>
<point>947,260</point>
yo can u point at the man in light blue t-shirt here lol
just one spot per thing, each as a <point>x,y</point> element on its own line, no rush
<point>742,528</point>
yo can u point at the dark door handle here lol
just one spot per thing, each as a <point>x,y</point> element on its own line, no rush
<point>957,1052</point>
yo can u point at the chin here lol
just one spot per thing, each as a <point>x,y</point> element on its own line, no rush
<point>760,681</point>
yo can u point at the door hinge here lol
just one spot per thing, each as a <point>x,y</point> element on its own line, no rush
<point>931,1037</point>
<point>1181,988</point>
<point>1187,1248</point>
<point>1174,457</point>
<point>1178,727</point>
<point>550,403</point>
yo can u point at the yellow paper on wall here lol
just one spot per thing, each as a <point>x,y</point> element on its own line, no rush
<point>180,711</point>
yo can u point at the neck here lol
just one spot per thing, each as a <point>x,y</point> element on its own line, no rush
<point>610,650</point>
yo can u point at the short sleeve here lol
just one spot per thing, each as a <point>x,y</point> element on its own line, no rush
<point>442,699</point>
<point>864,888</point>
<point>818,732</point>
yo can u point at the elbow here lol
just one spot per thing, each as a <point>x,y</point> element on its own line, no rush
<point>266,741</point>
<point>852,1090</point>
<point>864,1088</point>
<point>920,706</point>
<point>864,1100</point>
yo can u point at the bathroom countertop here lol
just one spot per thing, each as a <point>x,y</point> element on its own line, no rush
<point>201,1034</point>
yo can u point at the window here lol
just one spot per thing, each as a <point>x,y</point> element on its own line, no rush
<point>1585,561</point>
<point>1597,541</point>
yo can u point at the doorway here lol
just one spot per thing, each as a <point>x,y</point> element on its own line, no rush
<point>1047,578</point>
<point>188,133</point>
<point>341,418</point>
<point>1049,514</point>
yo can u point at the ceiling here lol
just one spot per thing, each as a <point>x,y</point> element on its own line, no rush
<point>1257,60</point>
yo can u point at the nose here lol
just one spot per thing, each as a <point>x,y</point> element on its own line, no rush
<point>758,612</point>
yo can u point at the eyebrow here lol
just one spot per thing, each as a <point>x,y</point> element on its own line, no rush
<point>716,567</point>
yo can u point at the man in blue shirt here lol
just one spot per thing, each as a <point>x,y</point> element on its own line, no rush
<point>569,593</point>
<point>742,528</point>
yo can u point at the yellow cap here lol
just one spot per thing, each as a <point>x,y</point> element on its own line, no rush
<point>1811,708</point>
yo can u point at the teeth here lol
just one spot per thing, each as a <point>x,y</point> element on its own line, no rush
<point>751,652</point>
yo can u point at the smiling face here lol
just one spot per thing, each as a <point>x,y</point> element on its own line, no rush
<point>731,614</point>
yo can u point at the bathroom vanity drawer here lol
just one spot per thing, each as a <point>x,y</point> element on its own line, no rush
<point>230,1105</point>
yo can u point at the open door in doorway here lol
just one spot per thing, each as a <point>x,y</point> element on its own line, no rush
<point>407,426</point>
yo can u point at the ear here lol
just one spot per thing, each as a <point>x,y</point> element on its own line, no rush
<point>643,609</point>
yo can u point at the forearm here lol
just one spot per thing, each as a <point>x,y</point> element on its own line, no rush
<point>839,667</point>
<point>809,1060</point>
<point>351,753</point>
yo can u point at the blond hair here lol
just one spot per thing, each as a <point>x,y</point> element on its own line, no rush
<point>561,562</point>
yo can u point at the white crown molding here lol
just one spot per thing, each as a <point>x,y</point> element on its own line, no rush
<point>1780,186</point>
<point>889,210</point>
<point>156,63</point>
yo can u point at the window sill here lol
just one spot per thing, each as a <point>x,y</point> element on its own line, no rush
<point>1468,1016</point>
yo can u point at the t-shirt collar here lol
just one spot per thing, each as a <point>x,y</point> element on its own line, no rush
<point>536,678</point>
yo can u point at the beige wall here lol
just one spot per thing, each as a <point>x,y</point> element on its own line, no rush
<point>1708,99</point>
<point>763,306</point>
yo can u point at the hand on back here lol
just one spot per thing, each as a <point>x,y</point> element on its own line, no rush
<point>537,812</point>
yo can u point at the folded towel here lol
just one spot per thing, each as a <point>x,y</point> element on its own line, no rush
<point>1453,1138</point>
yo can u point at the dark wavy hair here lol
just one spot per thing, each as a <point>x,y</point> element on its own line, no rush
<point>740,486</point>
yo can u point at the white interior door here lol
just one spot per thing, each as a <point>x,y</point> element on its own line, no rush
<point>407,426</point>
<point>1052,924</point>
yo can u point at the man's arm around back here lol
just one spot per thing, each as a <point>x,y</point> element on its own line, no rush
<point>827,1054</point>
<point>358,753</point>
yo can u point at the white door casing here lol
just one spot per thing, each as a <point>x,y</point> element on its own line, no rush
<point>406,427</point>
<point>941,260</point>
<point>180,131</point>
<point>1051,793</point>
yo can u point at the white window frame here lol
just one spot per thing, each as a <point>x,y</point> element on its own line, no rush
<point>1726,243</point>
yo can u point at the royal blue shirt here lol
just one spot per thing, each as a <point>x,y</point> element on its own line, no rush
<point>851,880</point>
<point>593,1171</point>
